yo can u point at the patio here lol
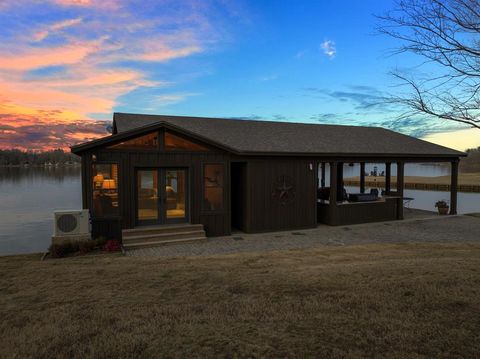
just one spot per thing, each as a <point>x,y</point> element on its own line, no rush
<point>418,226</point>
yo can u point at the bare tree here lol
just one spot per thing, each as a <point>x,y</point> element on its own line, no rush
<point>446,35</point>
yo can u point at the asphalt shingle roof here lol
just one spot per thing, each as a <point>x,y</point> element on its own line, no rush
<point>247,136</point>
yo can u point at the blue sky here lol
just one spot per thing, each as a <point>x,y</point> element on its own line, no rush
<point>66,65</point>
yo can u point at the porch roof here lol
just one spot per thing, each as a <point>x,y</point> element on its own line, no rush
<point>280,138</point>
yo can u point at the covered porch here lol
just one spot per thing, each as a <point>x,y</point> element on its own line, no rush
<point>385,202</point>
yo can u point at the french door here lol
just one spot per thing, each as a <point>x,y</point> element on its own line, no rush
<point>161,196</point>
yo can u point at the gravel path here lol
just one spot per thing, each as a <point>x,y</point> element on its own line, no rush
<point>448,229</point>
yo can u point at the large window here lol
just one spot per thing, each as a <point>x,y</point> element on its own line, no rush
<point>213,187</point>
<point>146,142</point>
<point>176,143</point>
<point>105,190</point>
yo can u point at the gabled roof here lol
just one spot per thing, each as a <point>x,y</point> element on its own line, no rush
<point>269,137</point>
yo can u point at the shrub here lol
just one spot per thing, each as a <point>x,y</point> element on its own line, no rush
<point>441,204</point>
<point>86,246</point>
<point>112,245</point>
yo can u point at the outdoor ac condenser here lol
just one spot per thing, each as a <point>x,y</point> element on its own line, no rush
<point>71,222</point>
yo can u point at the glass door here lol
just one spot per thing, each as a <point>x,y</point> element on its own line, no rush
<point>162,196</point>
<point>175,195</point>
<point>148,200</point>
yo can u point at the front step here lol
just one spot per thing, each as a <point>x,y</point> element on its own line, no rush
<point>152,236</point>
<point>168,228</point>
<point>150,244</point>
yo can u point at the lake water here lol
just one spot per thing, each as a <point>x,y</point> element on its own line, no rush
<point>28,197</point>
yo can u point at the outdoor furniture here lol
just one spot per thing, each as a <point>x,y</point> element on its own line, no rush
<point>407,201</point>
<point>362,197</point>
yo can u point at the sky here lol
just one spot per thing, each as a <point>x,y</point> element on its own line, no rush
<point>67,65</point>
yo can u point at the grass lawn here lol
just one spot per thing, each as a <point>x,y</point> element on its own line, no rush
<point>411,300</point>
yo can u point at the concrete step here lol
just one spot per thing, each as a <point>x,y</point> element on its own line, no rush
<point>153,236</point>
<point>149,244</point>
<point>171,228</point>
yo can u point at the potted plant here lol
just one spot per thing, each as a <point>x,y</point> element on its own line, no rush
<point>442,207</point>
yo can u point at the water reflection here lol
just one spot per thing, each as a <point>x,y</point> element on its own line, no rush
<point>28,197</point>
<point>18,174</point>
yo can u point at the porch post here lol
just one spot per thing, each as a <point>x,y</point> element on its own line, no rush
<point>333,183</point>
<point>322,180</point>
<point>400,185</point>
<point>454,187</point>
<point>388,178</point>
<point>332,207</point>
<point>362,177</point>
<point>340,181</point>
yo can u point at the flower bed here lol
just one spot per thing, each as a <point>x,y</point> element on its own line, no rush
<point>82,247</point>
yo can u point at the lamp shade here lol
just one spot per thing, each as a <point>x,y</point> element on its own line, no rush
<point>109,184</point>
<point>98,178</point>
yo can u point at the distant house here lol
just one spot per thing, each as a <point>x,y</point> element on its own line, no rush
<point>254,176</point>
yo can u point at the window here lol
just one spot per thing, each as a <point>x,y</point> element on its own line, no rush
<point>176,143</point>
<point>105,190</point>
<point>146,142</point>
<point>213,187</point>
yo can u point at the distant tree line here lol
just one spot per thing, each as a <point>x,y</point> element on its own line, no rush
<point>471,163</point>
<point>16,157</point>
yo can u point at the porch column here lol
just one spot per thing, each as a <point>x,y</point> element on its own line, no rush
<point>333,183</point>
<point>322,180</point>
<point>340,181</point>
<point>362,177</point>
<point>332,207</point>
<point>388,178</point>
<point>454,187</point>
<point>400,185</point>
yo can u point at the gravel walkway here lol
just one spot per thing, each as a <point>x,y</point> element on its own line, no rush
<point>446,229</point>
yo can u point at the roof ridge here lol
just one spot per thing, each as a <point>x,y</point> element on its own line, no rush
<point>237,119</point>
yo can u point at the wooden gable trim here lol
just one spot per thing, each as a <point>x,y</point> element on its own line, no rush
<point>124,136</point>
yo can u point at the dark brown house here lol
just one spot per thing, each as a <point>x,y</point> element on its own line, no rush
<point>253,176</point>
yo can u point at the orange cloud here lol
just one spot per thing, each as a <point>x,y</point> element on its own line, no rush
<point>105,4</point>
<point>162,53</point>
<point>49,89</point>
<point>39,130</point>
<point>85,90</point>
<point>34,57</point>
<point>74,2</point>
<point>41,35</point>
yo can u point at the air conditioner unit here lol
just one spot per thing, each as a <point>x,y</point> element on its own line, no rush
<point>71,222</point>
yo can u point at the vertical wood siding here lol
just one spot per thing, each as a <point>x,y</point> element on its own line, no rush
<point>265,212</point>
<point>216,224</point>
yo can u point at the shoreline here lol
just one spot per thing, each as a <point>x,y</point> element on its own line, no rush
<point>467,182</point>
<point>41,166</point>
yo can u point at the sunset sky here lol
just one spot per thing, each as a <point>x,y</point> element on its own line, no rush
<point>66,65</point>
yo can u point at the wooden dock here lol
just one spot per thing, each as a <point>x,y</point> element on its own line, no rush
<point>469,182</point>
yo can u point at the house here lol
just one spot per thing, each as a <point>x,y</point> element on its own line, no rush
<point>254,176</point>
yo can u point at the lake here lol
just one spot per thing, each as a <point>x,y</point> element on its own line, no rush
<point>28,197</point>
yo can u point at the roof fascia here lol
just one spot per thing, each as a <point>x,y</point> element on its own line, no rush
<point>100,142</point>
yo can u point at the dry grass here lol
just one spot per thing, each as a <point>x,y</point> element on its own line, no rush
<point>377,300</point>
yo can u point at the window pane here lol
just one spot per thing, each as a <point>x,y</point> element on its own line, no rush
<point>149,141</point>
<point>147,185</point>
<point>105,190</point>
<point>213,182</point>
<point>176,143</point>
<point>175,192</point>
